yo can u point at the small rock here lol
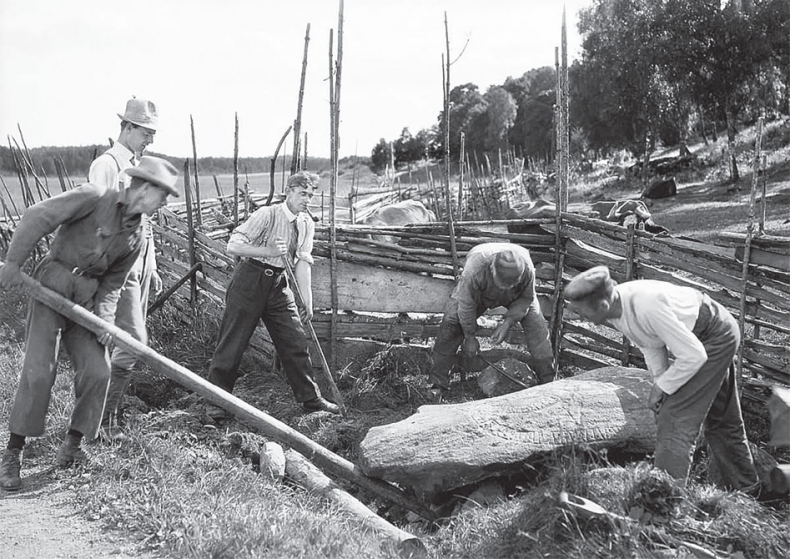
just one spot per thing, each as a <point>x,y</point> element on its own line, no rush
<point>273,461</point>
<point>489,493</point>
<point>493,383</point>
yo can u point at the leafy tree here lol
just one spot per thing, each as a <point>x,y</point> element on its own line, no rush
<point>534,92</point>
<point>466,106</point>
<point>380,156</point>
<point>500,115</point>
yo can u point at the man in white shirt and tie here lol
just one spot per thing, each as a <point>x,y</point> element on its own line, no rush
<point>698,388</point>
<point>138,127</point>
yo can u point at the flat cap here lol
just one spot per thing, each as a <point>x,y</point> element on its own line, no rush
<point>590,282</point>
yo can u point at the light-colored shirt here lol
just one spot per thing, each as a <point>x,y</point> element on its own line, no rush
<point>476,290</point>
<point>109,169</point>
<point>268,223</point>
<point>659,317</point>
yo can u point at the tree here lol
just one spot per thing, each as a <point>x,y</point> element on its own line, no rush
<point>380,156</point>
<point>501,111</point>
<point>534,93</point>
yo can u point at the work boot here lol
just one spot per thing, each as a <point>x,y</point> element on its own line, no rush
<point>9,469</point>
<point>70,452</point>
<point>320,404</point>
<point>217,413</point>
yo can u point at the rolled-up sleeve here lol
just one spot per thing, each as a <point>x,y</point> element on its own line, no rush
<point>304,248</point>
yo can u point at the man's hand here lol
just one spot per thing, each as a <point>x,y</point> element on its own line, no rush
<point>156,282</point>
<point>281,246</point>
<point>105,339</point>
<point>10,276</point>
<point>656,399</point>
<point>501,331</point>
<point>305,314</point>
<point>470,347</point>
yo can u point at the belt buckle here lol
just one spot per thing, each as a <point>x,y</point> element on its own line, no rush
<point>268,272</point>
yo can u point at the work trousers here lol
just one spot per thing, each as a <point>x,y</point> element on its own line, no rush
<point>710,399</point>
<point>130,317</point>
<point>451,336</point>
<point>45,329</point>
<point>260,292</point>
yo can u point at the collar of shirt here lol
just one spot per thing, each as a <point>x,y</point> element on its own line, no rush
<point>288,213</point>
<point>123,153</point>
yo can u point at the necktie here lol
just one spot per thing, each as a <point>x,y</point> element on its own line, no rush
<point>294,238</point>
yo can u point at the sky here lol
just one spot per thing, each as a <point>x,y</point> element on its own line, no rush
<point>67,67</point>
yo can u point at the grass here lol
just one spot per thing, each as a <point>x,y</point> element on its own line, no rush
<point>186,487</point>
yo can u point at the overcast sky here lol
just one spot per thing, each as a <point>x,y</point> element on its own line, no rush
<point>67,67</point>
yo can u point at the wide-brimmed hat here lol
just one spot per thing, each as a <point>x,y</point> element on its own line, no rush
<point>157,171</point>
<point>141,112</point>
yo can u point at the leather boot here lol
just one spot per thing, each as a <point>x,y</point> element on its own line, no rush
<point>70,452</point>
<point>9,469</point>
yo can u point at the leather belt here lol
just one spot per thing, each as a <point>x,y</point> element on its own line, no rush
<point>268,270</point>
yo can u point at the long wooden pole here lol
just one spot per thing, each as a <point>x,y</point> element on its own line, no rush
<point>447,199</point>
<point>198,213</point>
<point>190,234</point>
<point>289,270</point>
<point>236,171</point>
<point>300,470</point>
<point>747,248</point>
<point>296,163</point>
<point>269,426</point>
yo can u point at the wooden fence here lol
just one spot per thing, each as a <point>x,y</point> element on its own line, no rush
<point>379,282</point>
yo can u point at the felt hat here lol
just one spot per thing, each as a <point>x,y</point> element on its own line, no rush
<point>593,281</point>
<point>508,268</point>
<point>157,171</point>
<point>141,112</point>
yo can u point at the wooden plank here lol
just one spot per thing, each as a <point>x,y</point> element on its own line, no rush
<point>763,257</point>
<point>364,288</point>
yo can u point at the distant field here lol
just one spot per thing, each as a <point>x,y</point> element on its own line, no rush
<point>258,184</point>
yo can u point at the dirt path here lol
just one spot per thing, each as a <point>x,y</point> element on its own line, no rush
<point>41,522</point>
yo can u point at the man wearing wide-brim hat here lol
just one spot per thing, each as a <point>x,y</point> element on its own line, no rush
<point>139,123</point>
<point>98,237</point>
<point>698,389</point>
<point>494,275</point>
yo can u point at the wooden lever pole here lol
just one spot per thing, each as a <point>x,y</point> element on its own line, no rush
<point>336,396</point>
<point>269,426</point>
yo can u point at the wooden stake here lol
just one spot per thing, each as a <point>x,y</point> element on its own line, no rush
<point>448,202</point>
<point>190,234</point>
<point>236,171</point>
<point>295,161</point>
<point>747,249</point>
<point>199,213</point>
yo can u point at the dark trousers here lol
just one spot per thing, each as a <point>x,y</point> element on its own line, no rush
<point>709,399</point>
<point>260,292</point>
<point>451,336</point>
<point>45,330</point>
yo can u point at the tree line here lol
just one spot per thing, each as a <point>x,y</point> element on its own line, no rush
<point>651,72</point>
<point>77,160</point>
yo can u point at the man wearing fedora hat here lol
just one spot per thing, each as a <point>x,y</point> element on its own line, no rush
<point>111,169</point>
<point>494,275</point>
<point>97,239</point>
<point>698,388</point>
